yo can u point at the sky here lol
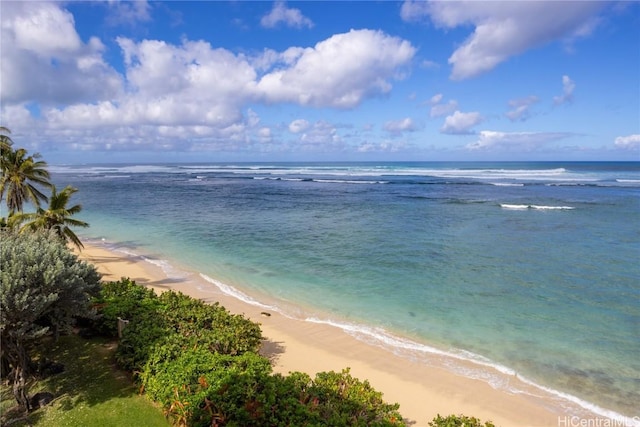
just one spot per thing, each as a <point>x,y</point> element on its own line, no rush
<point>216,81</point>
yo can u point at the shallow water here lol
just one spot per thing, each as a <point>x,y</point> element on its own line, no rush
<point>530,268</point>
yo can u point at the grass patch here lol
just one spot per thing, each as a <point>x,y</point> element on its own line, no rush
<point>90,392</point>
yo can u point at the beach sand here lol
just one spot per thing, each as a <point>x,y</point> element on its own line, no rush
<point>422,391</point>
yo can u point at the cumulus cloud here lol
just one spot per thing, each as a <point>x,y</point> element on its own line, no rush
<point>281,14</point>
<point>629,142</point>
<point>414,10</point>
<point>518,141</point>
<point>461,123</point>
<point>321,132</point>
<point>439,108</point>
<point>520,108</point>
<point>299,125</point>
<point>193,83</point>
<point>44,59</point>
<point>503,29</point>
<point>568,86</point>
<point>382,147</point>
<point>191,93</point>
<point>397,127</point>
<point>338,72</point>
<point>265,134</point>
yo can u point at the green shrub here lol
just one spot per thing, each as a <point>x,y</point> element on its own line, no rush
<point>342,400</point>
<point>201,363</point>
<point>213,325</point>
<point>154,320</point>
<point>124,299</point>
<point>458,421</point>
<point>198,386</point>
<point>139,338</point>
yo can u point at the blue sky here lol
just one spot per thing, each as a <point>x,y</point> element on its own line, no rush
<point>313,80</point>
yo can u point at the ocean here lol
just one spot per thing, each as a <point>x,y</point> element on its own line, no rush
<point>527,269</point>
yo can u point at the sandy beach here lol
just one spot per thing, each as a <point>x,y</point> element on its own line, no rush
<point>422,391</point>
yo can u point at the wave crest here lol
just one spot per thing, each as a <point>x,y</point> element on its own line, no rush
<point>537,207</point>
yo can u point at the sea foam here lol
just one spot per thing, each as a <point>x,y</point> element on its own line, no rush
<point>461,362</point>
<point>237,294</point>
<point>498,376</point>
<point>538,207</point>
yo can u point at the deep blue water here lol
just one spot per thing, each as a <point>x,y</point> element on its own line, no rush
<point>523,267</point>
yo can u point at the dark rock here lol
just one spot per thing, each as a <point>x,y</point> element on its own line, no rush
<point>41,399</point>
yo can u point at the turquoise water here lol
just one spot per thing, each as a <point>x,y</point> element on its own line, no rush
<point>527,268</point>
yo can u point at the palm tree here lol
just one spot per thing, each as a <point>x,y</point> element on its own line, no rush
<point>57,217</point>
<point>19,174</point>
<point>5,147</point>
<point>5,140</point>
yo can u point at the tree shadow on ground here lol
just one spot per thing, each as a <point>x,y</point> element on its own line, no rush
<point>90,376</point>
<point>271,350</point>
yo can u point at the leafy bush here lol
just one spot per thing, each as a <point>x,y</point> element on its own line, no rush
<point>458,421</point>
<point>343,400</point>
<point>140,337</point>
<point>124,299</point>
<point>198,387</point>
<point>154,320</point>
<point>212,325</point>
<point>201,363</point>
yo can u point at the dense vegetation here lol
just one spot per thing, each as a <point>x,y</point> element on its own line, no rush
<point>199,362</point>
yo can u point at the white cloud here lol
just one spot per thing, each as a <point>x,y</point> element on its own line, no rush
<point>288,16</point>
<point>299,125</point>
<point>44,59</point>
<point>192,84</point>
<point>43,29</point>
<point>568,86</point>
<point>252,118</point>
<point>190,94</point>
<point>519,141</point>
<point>382,147</point>
<point>414,10</point>
<point>439,110</point>
<point>629,142</point>
<point>397,127</point>
<point>320,133</point>
<point>503,29</point>
<point>520,108</point>
<point>340,71</point>
<point>427,64</point>
<point>461,123</point>
<point>265,134</point>
<point>128,13</point>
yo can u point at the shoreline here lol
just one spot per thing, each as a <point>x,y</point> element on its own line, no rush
<point>422,390</point>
